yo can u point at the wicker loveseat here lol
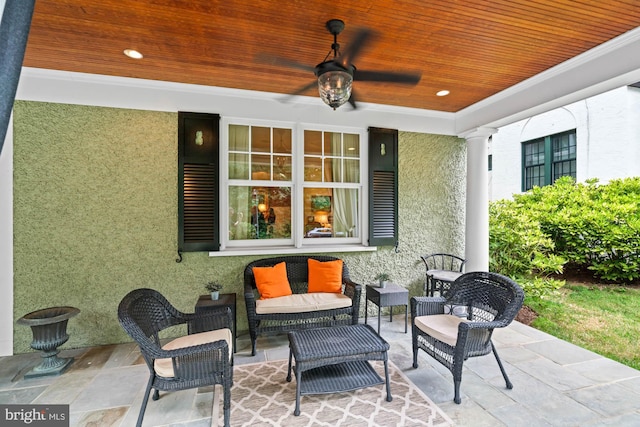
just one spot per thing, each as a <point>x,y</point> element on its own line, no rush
<point>300,310</point>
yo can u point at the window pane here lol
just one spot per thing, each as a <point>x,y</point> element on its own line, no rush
<point>259,212</point>
<point>260,139</point>
<point>332,170</point>
<point>331,212</point>
<point>313,142</point>
<point>567,168</point>
<point>564,147</point>
<point>281,154</point>
<point>332,144</point>
<point>351,170</point>
<point>312,169</point>
<point>238,138</point>
<point>534,153</point>
<point>282,168</point>
<point>351,145</point>
<point>260,167</point>
<point>564,155</point>
<point>238,166</point>
<point>282,141</point>
<point>534,176</point>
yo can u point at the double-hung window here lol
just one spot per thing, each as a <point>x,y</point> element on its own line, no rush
<point>291,185</point>
<point>544,160</point>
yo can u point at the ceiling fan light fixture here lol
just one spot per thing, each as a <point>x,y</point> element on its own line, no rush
<point>335,87</point>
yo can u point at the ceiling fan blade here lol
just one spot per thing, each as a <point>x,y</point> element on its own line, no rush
<point>352,100</point>
<point>354,47</point>
<point>384,76</point>
<point>283,62</point>
<point>304,88</point>
<point>299,91</point>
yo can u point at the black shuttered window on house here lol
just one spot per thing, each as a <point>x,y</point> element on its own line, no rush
<point>383,187</point>
<point>198,189</point>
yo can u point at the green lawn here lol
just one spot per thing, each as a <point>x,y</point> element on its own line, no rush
<point>603,319</point>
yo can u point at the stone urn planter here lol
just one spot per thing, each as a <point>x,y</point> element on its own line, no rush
<point>49,329</point>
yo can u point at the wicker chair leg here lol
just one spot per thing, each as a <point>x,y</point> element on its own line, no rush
<point>226,389</point>
<point>456,371</point>
<point>227,405</point>
<point>504,373</point>
<point>156,394</point>
<point>254,342</point>
<point>386,381</point>
<point>145,399</point>
<point>456,390</point>
<point>415,350</point>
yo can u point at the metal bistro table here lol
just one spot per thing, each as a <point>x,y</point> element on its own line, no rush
<point>335,359</point>
<point>389,296</point>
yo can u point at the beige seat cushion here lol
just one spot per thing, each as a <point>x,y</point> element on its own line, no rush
<point>300,303</point>
<point>164,367</point>
<point>443,327</point>
<point>444,275</point>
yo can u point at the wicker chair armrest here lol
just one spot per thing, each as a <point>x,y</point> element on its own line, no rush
<point>250,301</point>
<point>156,352</point>
<point>209,320</point>
<point>474,336</point>
<point>484,325</point>
<point>195,361</point>
<point>424,306</point>
<point>354,291</point>
<point>351,289</point>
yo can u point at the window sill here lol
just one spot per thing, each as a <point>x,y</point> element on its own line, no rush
<point>288,250</point>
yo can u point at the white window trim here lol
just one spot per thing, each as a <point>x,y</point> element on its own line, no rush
<point>300,243</point>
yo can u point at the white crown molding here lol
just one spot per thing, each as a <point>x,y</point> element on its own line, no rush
<point>125,92</point>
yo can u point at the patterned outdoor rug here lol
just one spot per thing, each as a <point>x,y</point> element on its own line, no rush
<point>261,396</point>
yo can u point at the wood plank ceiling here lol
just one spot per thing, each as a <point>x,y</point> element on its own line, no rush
<point>474,49</point>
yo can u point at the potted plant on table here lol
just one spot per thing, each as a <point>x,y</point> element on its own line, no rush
<point>383,278</point>
<point>213,288</point>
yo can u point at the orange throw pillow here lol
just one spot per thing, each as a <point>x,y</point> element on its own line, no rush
<point>272,282</point>
<point>325,276</point>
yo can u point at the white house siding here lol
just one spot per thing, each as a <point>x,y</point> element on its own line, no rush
<point>607,133</point>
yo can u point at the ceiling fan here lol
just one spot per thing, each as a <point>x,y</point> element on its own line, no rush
<point>336,74</point>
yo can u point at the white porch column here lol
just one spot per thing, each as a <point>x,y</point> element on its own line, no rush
<point>477,204</point>
<point>6,243</point>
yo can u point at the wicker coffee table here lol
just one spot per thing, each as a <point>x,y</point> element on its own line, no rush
<point>335,359</point>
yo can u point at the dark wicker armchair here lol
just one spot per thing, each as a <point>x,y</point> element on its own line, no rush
<point>204,357</point>
<point>442,270</point>
<point>460,326</point>
<point>297,273</point>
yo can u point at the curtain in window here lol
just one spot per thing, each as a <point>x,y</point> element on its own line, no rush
<point>345,210</point>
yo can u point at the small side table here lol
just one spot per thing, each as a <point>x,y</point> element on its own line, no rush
<point>389,296</point>
<point>225,300</point>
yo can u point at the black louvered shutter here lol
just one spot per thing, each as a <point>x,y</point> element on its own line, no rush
<point>198,166</point>
<point>383,187</point>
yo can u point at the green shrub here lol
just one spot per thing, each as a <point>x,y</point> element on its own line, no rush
<point>517,245</point>
<point>540,287</point>
<point>592,226</point>
<point>519,249</point>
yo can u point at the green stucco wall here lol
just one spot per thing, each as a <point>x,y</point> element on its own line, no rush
<point>95,216</point>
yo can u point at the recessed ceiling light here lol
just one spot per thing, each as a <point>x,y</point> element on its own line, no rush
<point>443,93</point>
<point>132,53</point>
